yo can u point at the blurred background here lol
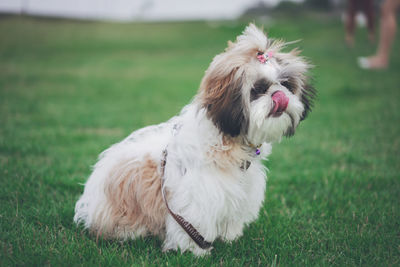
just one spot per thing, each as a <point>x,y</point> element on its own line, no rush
<point>79,75</point>
<point>157,10</point>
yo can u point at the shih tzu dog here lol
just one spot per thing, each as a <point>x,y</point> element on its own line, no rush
<point>199,176</point>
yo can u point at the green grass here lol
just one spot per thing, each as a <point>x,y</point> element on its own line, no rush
<point>68,90</point>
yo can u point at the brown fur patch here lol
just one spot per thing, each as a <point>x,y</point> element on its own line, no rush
<point>133,191</point>
<point>222,97</point>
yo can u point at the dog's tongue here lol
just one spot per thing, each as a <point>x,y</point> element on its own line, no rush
<point>281,102</point>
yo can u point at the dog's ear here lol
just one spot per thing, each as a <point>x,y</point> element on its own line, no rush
<point>294,70</point>
<point>222,98</point>
<point>308,95</point>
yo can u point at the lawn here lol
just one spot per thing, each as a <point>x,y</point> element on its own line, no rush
<point>70,89</point>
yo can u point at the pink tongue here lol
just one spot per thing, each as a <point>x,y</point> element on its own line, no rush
<point>281,101</point>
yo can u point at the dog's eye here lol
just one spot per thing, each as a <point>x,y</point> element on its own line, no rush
<point>289,85</point>
<point>258,91</point>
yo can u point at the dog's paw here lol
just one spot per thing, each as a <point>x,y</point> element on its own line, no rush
<point>196,250</point>
<point>233,232</point>
<point>199,252</point>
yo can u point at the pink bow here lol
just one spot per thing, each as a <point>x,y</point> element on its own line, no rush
<point>264,57</point>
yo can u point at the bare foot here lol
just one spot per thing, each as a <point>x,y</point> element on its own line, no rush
<point>373,62</point>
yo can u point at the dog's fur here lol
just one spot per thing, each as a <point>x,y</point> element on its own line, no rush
<point>207,144</point>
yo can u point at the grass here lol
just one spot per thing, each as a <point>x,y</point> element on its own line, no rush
<point>68,90</point>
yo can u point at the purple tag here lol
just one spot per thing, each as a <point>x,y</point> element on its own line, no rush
<point>258,151</point>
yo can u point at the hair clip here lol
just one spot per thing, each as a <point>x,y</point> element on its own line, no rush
<point>264,57</point>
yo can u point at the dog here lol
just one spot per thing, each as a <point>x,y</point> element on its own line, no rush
<point>200,176</point>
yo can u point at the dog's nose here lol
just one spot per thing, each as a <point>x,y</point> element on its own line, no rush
<point>281,101</point>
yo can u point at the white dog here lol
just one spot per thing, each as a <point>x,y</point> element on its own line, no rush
<point>199,176</point>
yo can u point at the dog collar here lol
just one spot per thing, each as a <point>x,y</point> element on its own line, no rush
<point>257,148</point>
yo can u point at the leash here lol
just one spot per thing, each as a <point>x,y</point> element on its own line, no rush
<point>189,229</point>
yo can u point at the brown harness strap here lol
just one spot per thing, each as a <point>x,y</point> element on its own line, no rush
<point>189,229</point>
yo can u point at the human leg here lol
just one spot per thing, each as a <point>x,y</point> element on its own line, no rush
<point>388,29</point>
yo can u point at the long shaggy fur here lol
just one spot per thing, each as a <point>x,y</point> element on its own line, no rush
<point>207,144</point>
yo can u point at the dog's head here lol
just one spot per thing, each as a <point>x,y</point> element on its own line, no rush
<point>256,91</point>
